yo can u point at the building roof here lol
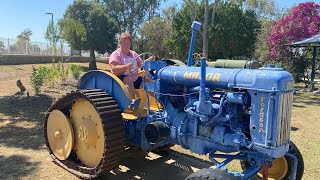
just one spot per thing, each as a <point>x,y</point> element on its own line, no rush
<point>312,41</point>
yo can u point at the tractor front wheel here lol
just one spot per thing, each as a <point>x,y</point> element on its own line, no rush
<point>282,167</point>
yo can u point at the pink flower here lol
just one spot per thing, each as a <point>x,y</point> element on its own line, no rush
<point>302,23</point>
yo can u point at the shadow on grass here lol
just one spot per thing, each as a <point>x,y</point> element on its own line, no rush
<point>159,165</point>
<point>17,68</point>
<point>84,69</point>
<point>298,105</point>
<point>21,121</point>
<point>304,99</point>
<point>294,128</point>
<point>16,167</point>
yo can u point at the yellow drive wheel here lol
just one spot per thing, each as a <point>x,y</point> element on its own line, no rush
<point>278,170</point>
<point>283,167</point>
<point>89,134</point>
<point>98,132</point>
<point>60,134</point>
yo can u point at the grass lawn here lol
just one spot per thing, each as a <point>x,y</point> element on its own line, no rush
<point>23,154</point>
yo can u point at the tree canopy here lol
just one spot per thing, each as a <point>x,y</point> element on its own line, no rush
<point>232,34</point>
<point>156,34</point>
<point>25,35</point>
<point>87,26</point>
<point>52,33</point>
<point>130,15</point>
<point>262,8</point>
<point>239,29</point>
<point>23,45</point>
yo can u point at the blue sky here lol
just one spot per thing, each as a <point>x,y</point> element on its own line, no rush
<point>17,15</point>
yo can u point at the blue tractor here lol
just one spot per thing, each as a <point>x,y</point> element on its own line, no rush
<point>234,114</point>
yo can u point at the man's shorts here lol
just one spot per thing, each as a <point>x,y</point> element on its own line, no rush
<point>136,83</point>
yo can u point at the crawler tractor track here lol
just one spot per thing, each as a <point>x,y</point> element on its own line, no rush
<point>113,128</point>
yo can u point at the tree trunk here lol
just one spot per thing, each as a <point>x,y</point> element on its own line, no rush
<point>216,3</point>
<point>20,85</point>
<point>205,38</point>
<point>92,61</point>
<point>131,21</point>
<point>205,30</point>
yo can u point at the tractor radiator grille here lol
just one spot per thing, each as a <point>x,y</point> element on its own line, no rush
<point>284,118</point>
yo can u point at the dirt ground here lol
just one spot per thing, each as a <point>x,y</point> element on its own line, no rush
<point>23,154</point>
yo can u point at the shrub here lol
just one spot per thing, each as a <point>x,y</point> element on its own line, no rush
<point>44,72</point>
<point>75,71</point>
<point>57,71</point>
<point>37,78</point>
<point>43,75</point>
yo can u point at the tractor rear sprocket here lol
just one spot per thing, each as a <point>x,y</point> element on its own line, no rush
<point>113,129</point>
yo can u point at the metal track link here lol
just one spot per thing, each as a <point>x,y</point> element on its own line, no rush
<point>113,126</point>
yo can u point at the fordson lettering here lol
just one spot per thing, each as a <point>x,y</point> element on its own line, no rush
<point>196,76</point>
<point>261,120</point>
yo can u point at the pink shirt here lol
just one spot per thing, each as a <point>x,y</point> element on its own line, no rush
<point>121,59</point>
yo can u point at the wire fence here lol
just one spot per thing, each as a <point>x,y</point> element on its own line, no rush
<point>24,47</point>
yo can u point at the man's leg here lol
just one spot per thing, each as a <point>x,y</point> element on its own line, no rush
<point>129,82</point>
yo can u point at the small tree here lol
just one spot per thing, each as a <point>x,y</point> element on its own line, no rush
<point>86,26</point>
<point>303,22</point>
<point>52,34</point>
<point>37,78</point>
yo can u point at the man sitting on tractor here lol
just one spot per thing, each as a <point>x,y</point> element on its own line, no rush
<point>124,63</point>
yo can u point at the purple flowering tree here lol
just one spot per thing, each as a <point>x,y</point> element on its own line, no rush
<point>302,22</point>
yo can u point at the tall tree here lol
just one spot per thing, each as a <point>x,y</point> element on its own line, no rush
<point>23,45</point>
<point>157,33</point>
<point>261,48</point>
<point>233,33</point>
<point>130,15</point>
<point>52,34</point>
<point>263,8</point>
<point>205,20</point>
<point>303,22</point>
<point>25,35</point>
<point>267,12</point>
<point>86,26</point>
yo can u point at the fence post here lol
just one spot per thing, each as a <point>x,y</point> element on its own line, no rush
<point>9,46</point>
<point>26,47</point>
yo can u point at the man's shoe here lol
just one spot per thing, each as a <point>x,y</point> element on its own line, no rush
<point>135,103</point>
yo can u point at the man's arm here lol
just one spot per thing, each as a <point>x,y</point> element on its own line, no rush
<point>140,61</point>
<point>119,69</point>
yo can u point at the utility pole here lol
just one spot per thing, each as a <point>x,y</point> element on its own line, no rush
<point>52,29</point>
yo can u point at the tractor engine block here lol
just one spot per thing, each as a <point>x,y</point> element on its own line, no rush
<point>238,109</point>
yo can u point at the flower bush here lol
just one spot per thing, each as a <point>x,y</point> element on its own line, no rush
<point>302,22</point>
